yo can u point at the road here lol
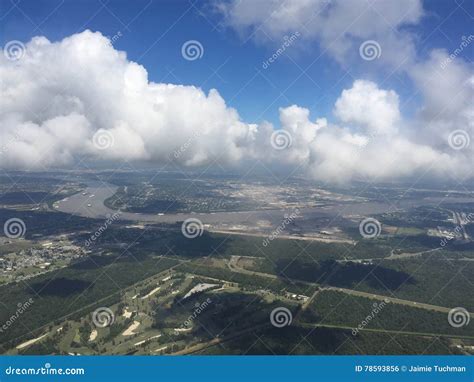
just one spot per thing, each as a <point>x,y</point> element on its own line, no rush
<point>413,304</point>
<point>418,334</point>
<point>288,237</point>
<point>392,256</point>
<point>216,341</point>
<point>233,266</point>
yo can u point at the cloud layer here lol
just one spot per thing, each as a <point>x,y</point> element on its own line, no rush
<point>336,24</point>
<point>80,98</point>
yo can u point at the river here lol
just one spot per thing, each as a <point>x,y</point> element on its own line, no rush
<point>90,203</point>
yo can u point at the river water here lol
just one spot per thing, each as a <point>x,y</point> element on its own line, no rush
<point>90,203</point>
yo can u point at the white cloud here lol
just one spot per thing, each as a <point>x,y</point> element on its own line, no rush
<point>365,105</point>
<point>338,25</point>
<point>338,154</point>
<point>448,94</point>
<point>61,95</point>
<point>374,139</point>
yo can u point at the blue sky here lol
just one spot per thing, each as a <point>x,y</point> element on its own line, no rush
<point>154,31</point>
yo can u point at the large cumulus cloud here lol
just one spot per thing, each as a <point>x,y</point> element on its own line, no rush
<point>60,94</point>
<point>61,97</point>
